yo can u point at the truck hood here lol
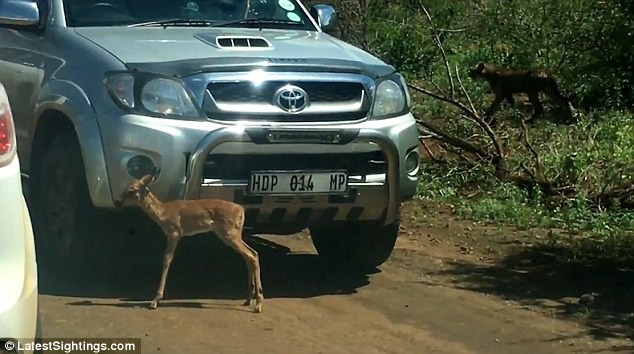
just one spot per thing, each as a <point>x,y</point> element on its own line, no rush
<point>183,51</point>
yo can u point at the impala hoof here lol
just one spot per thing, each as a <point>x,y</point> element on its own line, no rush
<point>257,309</point>
<point>247,303</point>
<point>153,305</point>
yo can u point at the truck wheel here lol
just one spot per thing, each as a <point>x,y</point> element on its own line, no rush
<point>363,245</point>
<point>66,221</point>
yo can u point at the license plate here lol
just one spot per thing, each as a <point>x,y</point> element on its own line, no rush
<point>297,182</point>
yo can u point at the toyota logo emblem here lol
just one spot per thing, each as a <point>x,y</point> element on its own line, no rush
<point>291,98</point>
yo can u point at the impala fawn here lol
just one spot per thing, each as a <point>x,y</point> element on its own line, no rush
<point>181,218</point>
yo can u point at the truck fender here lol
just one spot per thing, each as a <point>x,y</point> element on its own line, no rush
<point>70,100</point>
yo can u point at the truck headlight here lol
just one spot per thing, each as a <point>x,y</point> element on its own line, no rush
<point>149,94</point>
<point>391,98</point>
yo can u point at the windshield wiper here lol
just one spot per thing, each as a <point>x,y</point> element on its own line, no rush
<point>266,21</point>
<point>207,23</point>
<point>174,22</point>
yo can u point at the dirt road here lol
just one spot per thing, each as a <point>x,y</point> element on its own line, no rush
<point>443,291</point>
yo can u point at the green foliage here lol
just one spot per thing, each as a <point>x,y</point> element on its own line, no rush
<point>600,155</point>
<point>576,225</point>
<point>588,45</point>
<point>598,152</point>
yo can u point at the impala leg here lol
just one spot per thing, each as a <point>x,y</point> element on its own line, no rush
<point>251,287</point>
<point>251,291</point>
<point>258,294</point>
<point>234,240</point>
<point>254,272</point>
<point>253,264</point>
<point>172,242</point>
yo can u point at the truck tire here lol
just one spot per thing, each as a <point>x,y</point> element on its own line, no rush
<point>362,245</point>
<point>66,223</point>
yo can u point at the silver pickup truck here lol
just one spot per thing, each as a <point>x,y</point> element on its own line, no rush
<point>245,100</point>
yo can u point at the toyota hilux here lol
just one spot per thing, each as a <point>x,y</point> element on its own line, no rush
<point>252,101</point>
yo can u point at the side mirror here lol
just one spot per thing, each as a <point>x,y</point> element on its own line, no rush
<point>19,13</point>
<point>325,15</point>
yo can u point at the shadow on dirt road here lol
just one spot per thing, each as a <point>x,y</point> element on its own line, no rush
<point>598,294</point>
<point>204,268</point>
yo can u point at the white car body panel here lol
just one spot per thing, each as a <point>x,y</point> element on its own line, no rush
<point>18,266</point>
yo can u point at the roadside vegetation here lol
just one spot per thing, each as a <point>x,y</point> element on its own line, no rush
<point>576,181</point>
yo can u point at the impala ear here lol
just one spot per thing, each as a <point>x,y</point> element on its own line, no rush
<point>150,177</point>
<point>147,179</point>
<point>155,173</point>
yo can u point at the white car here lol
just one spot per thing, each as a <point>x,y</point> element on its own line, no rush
<point>19,315</point>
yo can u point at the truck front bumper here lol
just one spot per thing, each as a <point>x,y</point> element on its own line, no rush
<point>181,149</point>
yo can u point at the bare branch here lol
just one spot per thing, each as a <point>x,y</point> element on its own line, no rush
<point>455,141</point>
<point>438,42</point>
<point>438,88</point>
<point>432,156</point>
<point>443,98</point>
<point>473,136</point>
<point>448,30</point>
<point>465,117</point>
<point>621,193</point>
<point>538,162</point>
<point>528,171</point>
<point>462,156</point>
<point>464,91</point>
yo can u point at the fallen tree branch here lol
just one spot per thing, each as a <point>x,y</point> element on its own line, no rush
<point>455,141</point>
<point>432,156</point>
<point>622,193</point>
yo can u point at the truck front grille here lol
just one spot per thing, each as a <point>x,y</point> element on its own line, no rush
<point>246,92</point>
<point>239,167</point>
<point>327,101</point>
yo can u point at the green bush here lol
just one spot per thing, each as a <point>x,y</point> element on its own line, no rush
<point>587,45</point>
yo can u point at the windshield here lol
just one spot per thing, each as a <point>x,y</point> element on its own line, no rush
<point>259,13</point>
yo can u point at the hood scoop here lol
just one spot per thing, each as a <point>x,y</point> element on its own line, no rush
<point>234,41</point>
